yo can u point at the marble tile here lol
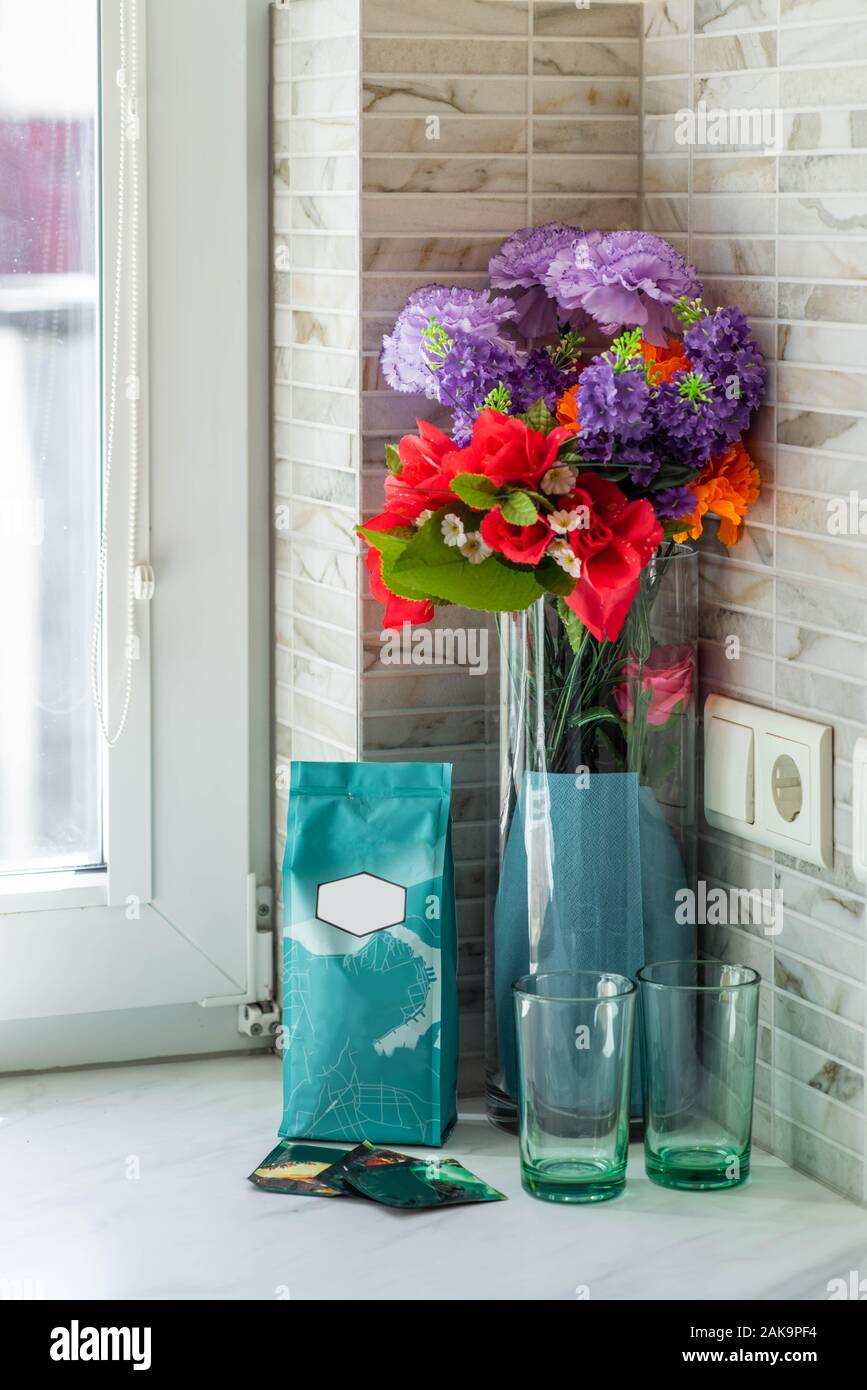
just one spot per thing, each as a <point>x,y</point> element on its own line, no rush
<point>830,86</point>
<point>324,644</point>
<point>586,58</point>
<point>737,90</point>
<point>734,174</point>
<point>605,213</point>
<point>731,52</point>
<point>734,256</point>
<point>726,582</point>
<point>479,57</point>
<point>817,130</point>
<point>666,174</point>
<point>663,96</point>
<point>823,217</point>
<point>742,216</point>
<point>846,434</point>
<point>823,902</point>
<point>829,260</point>
<point>822,692</point>
<point>719,624</point>
<point>754,297</point>
<point>820,1030</point>
<point>814,1109</point>
<point>333,293</point>
<point>665,214</point>
<point>317,174</point>
<point>555,96</point>
<point>431,95</point>
<point>814,943</point>
<point>433,255</point>
<point>831,390</point>
<point>746,674</point>
<point>306,19</point>
<point>803,11</point>
<point>714,16</point>
<point>553,136</point>
<point>665,17</point>
<point>811,1154</point>
<point>451,135</point>
<point>820,45</point>
<point>823,173</point>
<point>819,987</point>
<point>429,174</point>
<point>802,598</point>
<point>563,19</point>
<point>311,368</point>
<point>455,214</point>
<point>334,213</point>
<point>667,57</point>
<point>329,568</point>
<point>313,251</point>
<point>460,17</point>
<point>322,330</point>
<point>312,482</point>
<point>594,174</point>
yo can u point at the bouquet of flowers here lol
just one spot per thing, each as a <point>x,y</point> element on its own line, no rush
<point>597,410</point>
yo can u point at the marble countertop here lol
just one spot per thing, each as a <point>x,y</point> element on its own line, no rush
<point>129,1182</point>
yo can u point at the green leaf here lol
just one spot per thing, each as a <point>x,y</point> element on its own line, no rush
<point>427,566</point>
<point>393,460</point>
<point>554,579</point>
<point>539,417</point>
<point>575,629</point>
<point>476,490</point>
<point>597,714</point>
<point>518,510</point>
<point>388,543</point>
<point>399,585</point>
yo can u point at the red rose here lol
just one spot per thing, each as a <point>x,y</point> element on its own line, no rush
<point>668,679</point>
<point>506,451</point>
<point>524,544</point>
<point>614,548</point>
<point>414,489</point>
<point>397,610</point>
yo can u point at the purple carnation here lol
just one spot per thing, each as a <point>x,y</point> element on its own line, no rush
<point>623,278</point>
<point>405,363</point>
<point>613,408</point>
<point>671,503</point>
<point>471,368</point>
<point>522,262</point>
<point>723,348</point>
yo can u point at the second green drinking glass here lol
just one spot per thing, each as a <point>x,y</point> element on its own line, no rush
<point>574,1037</point>
<point>698,1043</point>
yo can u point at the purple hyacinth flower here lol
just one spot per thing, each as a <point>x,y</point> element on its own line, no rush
<point>614,410</point>
<point>470,370</point>
<point>620,278</point>
<point>671,503</point>
<point>723,348</point>
<point>405,363</point>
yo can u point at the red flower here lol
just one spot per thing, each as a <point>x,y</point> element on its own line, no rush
<point>524,544</point>
<point>506,451</point>
<point>397,610</point>
<point>667,677</point>
<point>614,548</point>
<point>414,489</point>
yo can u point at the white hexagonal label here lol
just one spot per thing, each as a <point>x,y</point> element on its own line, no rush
<point>361,904</point>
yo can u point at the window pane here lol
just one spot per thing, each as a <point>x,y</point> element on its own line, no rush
<point>49,433</point>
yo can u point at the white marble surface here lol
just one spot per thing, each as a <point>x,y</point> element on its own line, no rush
<point>76,1222</point>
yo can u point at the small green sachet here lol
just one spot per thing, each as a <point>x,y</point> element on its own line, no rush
<point>298,1168</point>
<point>402,1180</point>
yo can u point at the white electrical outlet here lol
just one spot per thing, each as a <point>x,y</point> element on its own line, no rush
<point>767,778</point>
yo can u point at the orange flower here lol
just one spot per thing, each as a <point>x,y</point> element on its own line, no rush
<point>725,488</point>
<point>567,409</point>
<point>663,362</point>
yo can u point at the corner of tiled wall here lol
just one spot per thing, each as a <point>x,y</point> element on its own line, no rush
<point>785,237</point>
<point>396,118</point>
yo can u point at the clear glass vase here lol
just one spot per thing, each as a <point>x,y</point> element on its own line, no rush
<point>596,834</point>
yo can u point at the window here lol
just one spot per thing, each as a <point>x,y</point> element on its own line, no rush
<point>50,760</point>
<point>142,939</point>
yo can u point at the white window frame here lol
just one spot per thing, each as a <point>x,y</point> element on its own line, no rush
<point>187,787</point>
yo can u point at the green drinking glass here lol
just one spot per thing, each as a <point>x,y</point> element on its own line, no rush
<point>574,1043</point>
<point>698,1045</point>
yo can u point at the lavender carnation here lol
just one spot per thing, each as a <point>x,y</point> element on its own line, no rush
<point>526,256</point>
<point>623,278</point>
<point>723,348</point>
<point>405,363</point>
<point>614,410</point>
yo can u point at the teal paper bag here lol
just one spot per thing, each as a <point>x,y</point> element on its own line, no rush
<point>370,954</point>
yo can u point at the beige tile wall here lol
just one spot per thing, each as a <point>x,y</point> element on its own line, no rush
<point>785,236</point>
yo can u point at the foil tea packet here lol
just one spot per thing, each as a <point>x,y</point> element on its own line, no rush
<point>409,1181</point>
<point>297,1169</point>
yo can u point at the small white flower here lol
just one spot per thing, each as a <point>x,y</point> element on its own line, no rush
<point>564,522</point>
<point>562,552</point>
<point>452,529</point>
<point>474,548</point>
<point>423,517</point>
<point>559,480</point>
